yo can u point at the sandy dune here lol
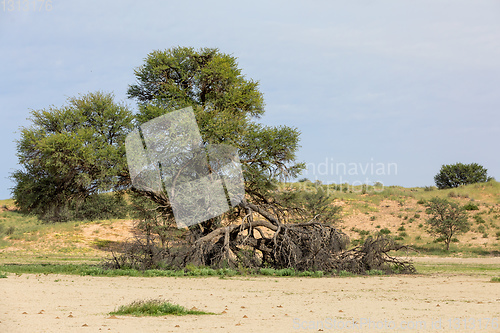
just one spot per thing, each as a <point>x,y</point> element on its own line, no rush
<point>57,303</point>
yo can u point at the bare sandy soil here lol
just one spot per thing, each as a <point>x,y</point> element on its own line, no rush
<point>421,303</point>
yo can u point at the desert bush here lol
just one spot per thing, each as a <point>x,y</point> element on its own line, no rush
<point>384,231</point>
<point>479,219</point>
<point>10,230</point>
<point>471,206</point>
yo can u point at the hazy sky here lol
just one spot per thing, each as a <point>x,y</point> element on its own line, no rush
<point>381,90</point>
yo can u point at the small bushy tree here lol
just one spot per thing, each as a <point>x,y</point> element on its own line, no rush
<point>454,175</point>
<point>70,153</point>
<point>447,220</point>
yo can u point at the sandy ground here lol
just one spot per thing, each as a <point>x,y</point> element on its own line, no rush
<point>60,303</point>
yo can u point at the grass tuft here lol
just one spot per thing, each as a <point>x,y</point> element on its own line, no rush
<point>155,308</point>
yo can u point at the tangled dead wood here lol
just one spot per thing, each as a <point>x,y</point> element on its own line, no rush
<point>265,242</point>
<point>255,244</point>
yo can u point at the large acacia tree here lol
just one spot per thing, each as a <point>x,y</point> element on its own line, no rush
<point>227,106</point>
<point>71,152</point>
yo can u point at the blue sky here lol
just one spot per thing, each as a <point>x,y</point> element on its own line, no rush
<point>370,84</point>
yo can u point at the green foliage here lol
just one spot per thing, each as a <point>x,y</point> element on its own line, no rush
<point>344,273</point>
<point>314,204</point>
<point>447,220</point>
<point>101,207</point>
<point>226,105</point>
<point>479,219</point>
<point>458,174</point>
<point>155,308</point>
<point>384,231</point>
<point>70,153</point>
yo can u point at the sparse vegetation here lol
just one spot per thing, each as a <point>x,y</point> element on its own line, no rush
<point>155,308</point>
<point>471,206</point>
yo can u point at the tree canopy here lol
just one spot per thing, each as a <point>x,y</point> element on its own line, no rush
<point>71,152</point>
<point>226,105</point>
<point>447,220</point>
<point>454,175</point>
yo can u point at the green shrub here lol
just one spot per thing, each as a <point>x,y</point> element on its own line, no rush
<point>285,272</point>
<point>384,231</point>
<point>10,230</point>
<point>479,218</point>
<point>345,273</point>
<point>471,206</point>
<point>267,271</point>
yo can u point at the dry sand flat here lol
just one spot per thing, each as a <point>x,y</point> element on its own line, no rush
<point>60,303</point>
